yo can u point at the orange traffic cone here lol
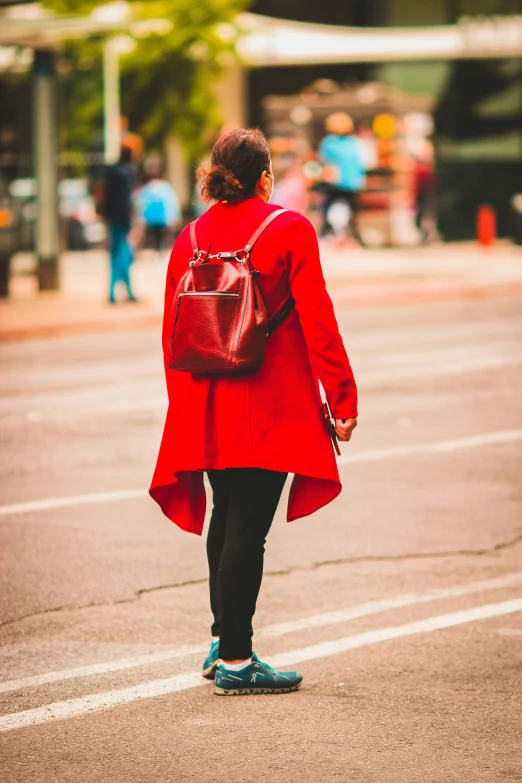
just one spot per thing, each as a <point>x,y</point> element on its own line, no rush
<point>486,225</point>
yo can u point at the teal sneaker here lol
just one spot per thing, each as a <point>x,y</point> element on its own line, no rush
<point>257,677</point>
<point>211,661</point>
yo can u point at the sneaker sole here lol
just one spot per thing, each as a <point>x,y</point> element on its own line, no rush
<point>254,691</point>
<point>209,673</point>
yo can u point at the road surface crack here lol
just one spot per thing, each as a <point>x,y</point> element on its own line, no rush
<point>283,572</point>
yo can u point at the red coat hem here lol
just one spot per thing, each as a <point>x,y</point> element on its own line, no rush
<point>183,500</point>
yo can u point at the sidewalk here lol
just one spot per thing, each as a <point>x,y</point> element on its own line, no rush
<point>356,278</point>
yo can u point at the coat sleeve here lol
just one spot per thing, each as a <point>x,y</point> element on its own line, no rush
<point>317,318</point>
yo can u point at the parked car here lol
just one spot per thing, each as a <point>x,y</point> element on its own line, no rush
<point>84,229</point>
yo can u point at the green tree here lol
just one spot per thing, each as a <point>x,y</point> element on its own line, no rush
<point>166,80</point>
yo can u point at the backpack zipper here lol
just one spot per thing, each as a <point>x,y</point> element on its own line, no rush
<point>208,293</point>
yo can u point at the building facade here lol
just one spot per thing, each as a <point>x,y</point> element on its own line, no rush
<point>477,102</point>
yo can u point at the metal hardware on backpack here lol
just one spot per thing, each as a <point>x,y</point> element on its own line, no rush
<point>221,322</point>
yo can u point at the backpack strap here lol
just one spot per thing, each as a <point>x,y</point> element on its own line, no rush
<point>199,256</point>
<point>289,304</point>
<point>280,316</point>
<point>264,225</point>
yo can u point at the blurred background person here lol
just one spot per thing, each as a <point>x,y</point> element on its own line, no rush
<point>368,147</point>
<point>118,211</point>
<point>425,187</point>
<point>344,170</point>
<point>158,206</point>
<point>291,188</point>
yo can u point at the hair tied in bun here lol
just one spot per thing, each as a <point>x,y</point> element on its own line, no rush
<point>238,160</point>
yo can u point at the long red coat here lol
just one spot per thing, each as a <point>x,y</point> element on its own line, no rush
<point>271,419</point>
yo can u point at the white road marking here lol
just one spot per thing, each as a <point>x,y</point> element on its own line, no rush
<point>71,500</point>
<point>372,455</point>
<point>394,602</point>
<point>278,629</point>
<point>61,710</point>
<point>437,447</point>
<point>94,669</point>
<point>324,649</point>
<point>73,708</point>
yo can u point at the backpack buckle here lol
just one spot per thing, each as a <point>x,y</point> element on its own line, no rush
<point>199,258</point>
<point>237,255</point>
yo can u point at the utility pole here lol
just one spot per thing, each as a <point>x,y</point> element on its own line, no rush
<point>111,100</point>
<point>46,169</point>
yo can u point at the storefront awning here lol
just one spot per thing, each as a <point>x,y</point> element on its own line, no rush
<point>265,41</point>
<point>47,32</point>
<point>276,42</point>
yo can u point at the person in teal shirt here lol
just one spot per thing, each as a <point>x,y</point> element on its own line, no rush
<point>344,171</point>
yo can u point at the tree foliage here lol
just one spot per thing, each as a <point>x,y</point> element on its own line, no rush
<point>167,79</point>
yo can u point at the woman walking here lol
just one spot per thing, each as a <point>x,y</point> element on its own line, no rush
<point>117,209</point>
<point>247,431</point>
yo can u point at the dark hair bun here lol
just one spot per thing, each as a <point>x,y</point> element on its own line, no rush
<point>221,183</point>
<point>238,160</point>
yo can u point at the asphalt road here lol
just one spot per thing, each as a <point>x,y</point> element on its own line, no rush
<point>401,602</point>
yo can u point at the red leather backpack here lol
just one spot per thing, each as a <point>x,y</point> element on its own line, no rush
<point>221,323</point>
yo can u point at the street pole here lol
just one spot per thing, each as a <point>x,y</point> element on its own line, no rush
<point>46,170</point>
<point>111,101</point>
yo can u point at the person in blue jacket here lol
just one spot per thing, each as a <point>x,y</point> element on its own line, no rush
<point>343,161</point>
<point>158,206</point>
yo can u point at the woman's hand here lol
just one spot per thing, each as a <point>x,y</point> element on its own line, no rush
<point>344,428</point>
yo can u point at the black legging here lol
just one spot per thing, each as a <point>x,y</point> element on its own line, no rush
<point>245,501</point>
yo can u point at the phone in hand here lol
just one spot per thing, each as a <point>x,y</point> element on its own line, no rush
<point>331,428</point>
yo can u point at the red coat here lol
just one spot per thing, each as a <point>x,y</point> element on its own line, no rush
<point>271,419</point>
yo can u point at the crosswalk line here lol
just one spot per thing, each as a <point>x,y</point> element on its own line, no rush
<point>98,702</point>
<point>278,629</point>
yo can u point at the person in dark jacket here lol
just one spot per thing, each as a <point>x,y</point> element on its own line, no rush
<point>425,184</point>
<point>119,184</point>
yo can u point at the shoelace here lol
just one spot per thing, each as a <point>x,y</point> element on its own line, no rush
<point>265,667</point>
